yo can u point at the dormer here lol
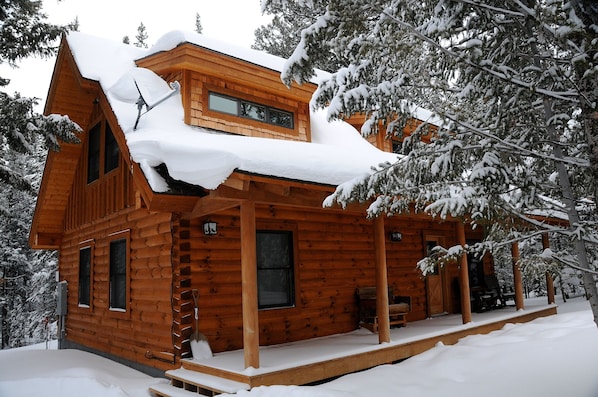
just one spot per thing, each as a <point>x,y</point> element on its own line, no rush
<point>222,92</point>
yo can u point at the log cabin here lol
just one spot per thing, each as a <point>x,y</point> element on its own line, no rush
<point>199,170</point>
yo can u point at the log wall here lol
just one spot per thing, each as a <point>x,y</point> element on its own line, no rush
<point>334,255</point>
<point>146,325</point>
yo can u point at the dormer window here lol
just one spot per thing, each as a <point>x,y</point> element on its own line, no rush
<point>250,110</point>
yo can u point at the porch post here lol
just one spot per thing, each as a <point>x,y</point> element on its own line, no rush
<point>549,280</point>
<point>251,342</point>
<point>381,281</point>
<point>517,278</point>
<point>464,277</point>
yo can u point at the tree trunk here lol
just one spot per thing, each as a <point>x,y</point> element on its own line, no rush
<point>588,89</point>
<point>570,203</point>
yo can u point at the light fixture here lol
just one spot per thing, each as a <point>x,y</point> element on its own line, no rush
<point>396,236</point>
<point>210,228</point>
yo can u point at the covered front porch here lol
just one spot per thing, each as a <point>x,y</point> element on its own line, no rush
<point>323,358</point>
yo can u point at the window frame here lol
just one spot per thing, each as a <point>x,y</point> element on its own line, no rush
<point>111,150</point>
<point>291,288</point>
<point>241,102</point>
<point>87,245</point>
<point>94,152</point>
<point>123,236</point>
<point>99,160</point>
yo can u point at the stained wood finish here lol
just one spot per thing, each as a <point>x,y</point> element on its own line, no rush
<point>327,369</point>
<point>464,277</point>
<point>145,326</point>
<point>381,281</point>
<point>517,277</point>
<point>335,254</point>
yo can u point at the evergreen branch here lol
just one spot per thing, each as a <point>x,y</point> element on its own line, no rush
<point>567,96</point>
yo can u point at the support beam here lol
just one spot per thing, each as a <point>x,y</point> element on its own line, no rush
<point>517,278</point>
<point>464,277</point>
<point>381,281</point>
<point>251,335</point>
<point>549,280</point>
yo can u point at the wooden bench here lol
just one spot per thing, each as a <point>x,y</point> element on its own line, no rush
<point>398,307</point>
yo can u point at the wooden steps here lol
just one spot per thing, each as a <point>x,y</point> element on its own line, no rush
<point>187,383</point>
<point>166,390</point>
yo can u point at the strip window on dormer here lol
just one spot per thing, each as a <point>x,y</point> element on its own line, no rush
<point>250,110</point>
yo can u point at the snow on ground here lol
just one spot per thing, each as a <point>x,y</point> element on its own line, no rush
<point>553,356</point>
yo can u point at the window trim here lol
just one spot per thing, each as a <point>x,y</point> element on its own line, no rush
<point>101,161</point>
<point>292,233</point>
<point>89,244</point>
<point>97,153</point>
<point>242,101</point>
<point>114,237</point>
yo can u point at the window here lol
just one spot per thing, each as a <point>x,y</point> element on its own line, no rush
<point>93,153</point>
<point>111,151</point>
<point>101,146</point>
<point>118,274</point>
<point>85,276</point>
<point>250,110</point>
<point>275,269</point>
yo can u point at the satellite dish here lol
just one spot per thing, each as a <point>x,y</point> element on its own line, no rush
<point>152,89</point>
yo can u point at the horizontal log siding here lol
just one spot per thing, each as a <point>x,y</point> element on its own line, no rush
<point>147,323</point>
<point>334,255</point>
<point>199,114</point>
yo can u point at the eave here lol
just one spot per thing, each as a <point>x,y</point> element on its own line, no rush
<point>192,57</point>
<point>73,95</point>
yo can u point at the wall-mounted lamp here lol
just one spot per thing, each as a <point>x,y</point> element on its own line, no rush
<point>396,236</point>
<point>210,228</point>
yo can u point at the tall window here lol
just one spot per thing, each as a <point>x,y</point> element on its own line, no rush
<point>250,110</point>
<point>111,151</point>
<point>275,269</point>
<point>85,276</point>
<point>93,153</point>
<point>103,153</point>
<point>118,274</point>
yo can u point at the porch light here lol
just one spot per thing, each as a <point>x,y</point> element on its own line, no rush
<point>396,236</point>
<point>210,228</point>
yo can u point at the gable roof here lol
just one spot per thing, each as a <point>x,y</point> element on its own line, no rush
<point>207,158</point>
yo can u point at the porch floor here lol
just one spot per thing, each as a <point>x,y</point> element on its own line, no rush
<point>315,360</point>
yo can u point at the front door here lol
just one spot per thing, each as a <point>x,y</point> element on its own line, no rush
<point>435,291</point>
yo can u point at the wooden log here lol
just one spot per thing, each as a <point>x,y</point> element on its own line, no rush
<point>249,283</point>
<point>464,277</point>
<point>517,278</point>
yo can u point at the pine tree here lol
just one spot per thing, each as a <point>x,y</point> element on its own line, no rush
<point>141,36</point>
<point>282,34</point>
<point>514,86</point>
<point>23,33</point>
<point>198,27</point>
<point>126,40</point>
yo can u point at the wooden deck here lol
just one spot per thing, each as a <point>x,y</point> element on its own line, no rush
<point>319,359</point>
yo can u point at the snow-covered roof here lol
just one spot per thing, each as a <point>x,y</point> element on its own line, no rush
<point>207,158</point>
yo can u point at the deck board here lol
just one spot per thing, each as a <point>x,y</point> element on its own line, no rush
<point>287,365</point>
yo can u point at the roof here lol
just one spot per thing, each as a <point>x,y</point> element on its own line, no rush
<point>204,157</point>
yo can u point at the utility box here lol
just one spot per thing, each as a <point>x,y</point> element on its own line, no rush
<point>61,295</point>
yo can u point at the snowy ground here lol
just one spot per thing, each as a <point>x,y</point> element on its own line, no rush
<point>555,356</point>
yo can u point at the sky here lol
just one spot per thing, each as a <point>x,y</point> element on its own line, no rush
<point>551,356</point>
<point>230,20</point>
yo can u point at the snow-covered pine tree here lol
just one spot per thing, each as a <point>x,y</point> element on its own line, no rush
<point>141,36</point>
<point>198,27</point>
<point>516,87</point>
<point>24,33</point>
<point>27,277</point>
<point>282,34</point>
